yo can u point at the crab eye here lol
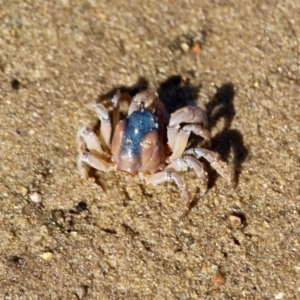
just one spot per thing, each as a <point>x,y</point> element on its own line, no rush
<point>154,120</point>
<point>142,106</point>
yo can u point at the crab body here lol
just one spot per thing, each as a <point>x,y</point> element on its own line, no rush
<point>148,142</point>
<point>138,145</point>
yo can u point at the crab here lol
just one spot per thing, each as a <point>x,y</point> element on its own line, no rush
<point>148,142</point>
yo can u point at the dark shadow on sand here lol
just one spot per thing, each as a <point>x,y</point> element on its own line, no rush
<point>141,85</point>
<point>177,92</point>
<point>221,106</point>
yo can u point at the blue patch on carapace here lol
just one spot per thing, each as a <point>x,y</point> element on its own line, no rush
<point>138,125</point>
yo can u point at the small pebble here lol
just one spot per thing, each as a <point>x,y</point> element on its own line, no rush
<point>256,84</point>
<point>279,296</point>
<point>161,70</point>
<point>218,280</point>
<point>196,48</point>
<point>235,221</point>
<point>23,191</point>
<point>47,255</point>
<point>184,47</point>
<point>35,197</point>
<point>92,179</point>
<point>82,291</point>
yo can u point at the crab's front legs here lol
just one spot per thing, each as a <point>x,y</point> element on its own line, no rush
<point>178,137</point>
<point>143,98</point>
<point>116,100</point>
<point>147,99</point>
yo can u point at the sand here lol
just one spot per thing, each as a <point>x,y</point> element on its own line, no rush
<point>64,238</point>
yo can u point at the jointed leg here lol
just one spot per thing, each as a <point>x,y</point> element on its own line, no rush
<point>118,97</point>
<point>178,137</point>
<point>87,139</point>
<point>137,102</point>
<point>88,159</point>
<point>105,127</point>
<point>116,111</point>
<point>148,99</point>
<point>168,175</point>
<point>219,166</point>
<point>188,114</point>
<point>185,162</point>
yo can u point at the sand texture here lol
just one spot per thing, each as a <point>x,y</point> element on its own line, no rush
<point>62,237</point>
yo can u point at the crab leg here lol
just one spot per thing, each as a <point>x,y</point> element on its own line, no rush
<point>117,98</point>
<point>91,160</point>
<point>116,111</point>
<point>211,158</point>
<point>188,114</point>
<point>184,162</point>
<point>137,101</point>
<point>145,97</point>
<point>168,175</point>
<point>86,138</point>
<point>105,127</point>
<point>182,135</point>
<point>177,138</point>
